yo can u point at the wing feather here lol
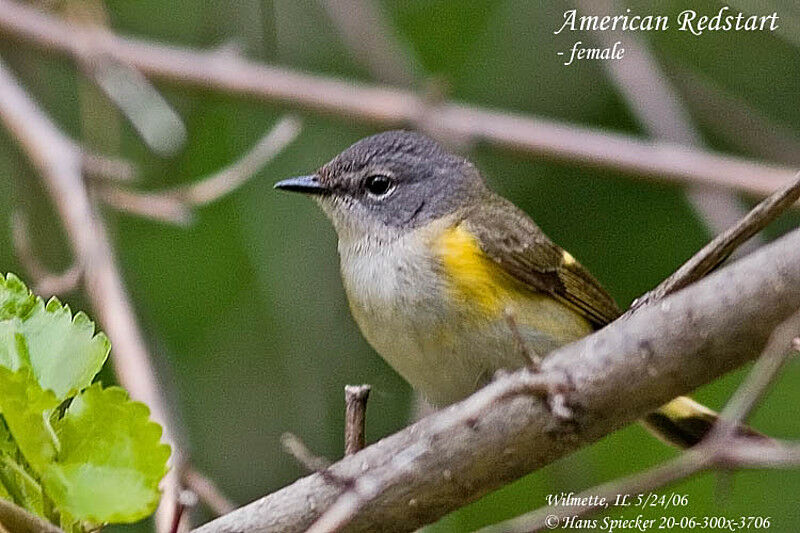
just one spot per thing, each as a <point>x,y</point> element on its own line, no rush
<point>529,256</point>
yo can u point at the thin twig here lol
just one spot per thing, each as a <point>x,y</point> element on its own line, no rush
<point>17,520</point>
<point>108,168</point>
<point>663,474</point>
<point>737,453</point>
<point>45,283</point>
<point>371,39</point>
<point>346,506</point>
<point>59,284</point>
<point>361,491</point>
<point>658,107</point>
<point>175,205</point>
<point>721,448</point>
<point>715,252</point>
<point>296,448</point>
<point>214,187</point>
<point>186,500</point>
<point>155,206</point>
<point>749,393</point>
<point>207,491</point>
<point>60,163</point>
<point>734,119</point>
<point>746,452</point>
<point>356,397</point>
<point>389,107</point>
<point>151,116</point>
<point>522,347</point>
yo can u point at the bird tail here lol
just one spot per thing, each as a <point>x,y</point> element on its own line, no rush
<point>683,423</point>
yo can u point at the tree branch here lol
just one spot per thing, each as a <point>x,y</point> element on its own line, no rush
<point>207,491</point>
<point>497,435</point>
<point>175,205</point>
<point>15,519</point>
<point>716,251</point>
<point>738,452</point>
<point>45,283</point>
<point>356,397</point>
<point>658,108</point>
<point>389,107</point>
<point>371,39</point>
<point>60,162</point>
<point>103,167</point>
<point>721,448</point>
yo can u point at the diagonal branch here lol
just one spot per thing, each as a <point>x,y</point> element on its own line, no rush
<point>390,107</point>
<point>365,30</point>
<point>59,161</point>
<point>103,167</point>
<point>15,519</point>
<point>722,448</point>
<point>207,491</point>
<point>658,108</point>
<point>716,251</point>
<point>497,435</point>
<point>738,452</point>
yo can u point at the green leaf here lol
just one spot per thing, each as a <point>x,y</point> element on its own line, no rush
<point>26,409</point>
<point>16,483</point>
<point>63,352</point>
<point>4,493</point>
<point>7,445</point>
<point>13,348</point>
<point>22,488</point>
<point>15,298</point>
<point>111,458</point>
<point>103,459</point>
<point>7,448</point>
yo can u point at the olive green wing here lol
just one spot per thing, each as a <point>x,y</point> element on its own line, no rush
<point>526,254</point>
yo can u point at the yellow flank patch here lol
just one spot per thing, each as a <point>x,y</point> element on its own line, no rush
<point>475,278</point>
<point>567,258</point>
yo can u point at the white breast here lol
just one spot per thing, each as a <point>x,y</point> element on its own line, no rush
<point>398,299</point>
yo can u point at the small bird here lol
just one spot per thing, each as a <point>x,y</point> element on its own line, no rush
<point>434,263</point>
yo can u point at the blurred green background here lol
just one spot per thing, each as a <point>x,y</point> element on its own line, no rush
<point>245,311</point>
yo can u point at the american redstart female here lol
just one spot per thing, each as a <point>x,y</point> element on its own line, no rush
<point>433,261</point>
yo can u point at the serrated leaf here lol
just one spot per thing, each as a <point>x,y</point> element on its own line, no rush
<point>111,458</point>
<point>63,352</point>
<point>15,298</point>
<point>26,408</point>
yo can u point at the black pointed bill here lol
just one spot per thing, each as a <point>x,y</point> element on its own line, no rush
<point>304,184</point>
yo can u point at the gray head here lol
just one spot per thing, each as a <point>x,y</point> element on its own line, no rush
<point>390,182</point>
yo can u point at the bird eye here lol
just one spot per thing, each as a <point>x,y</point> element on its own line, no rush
<point>378,185</point>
